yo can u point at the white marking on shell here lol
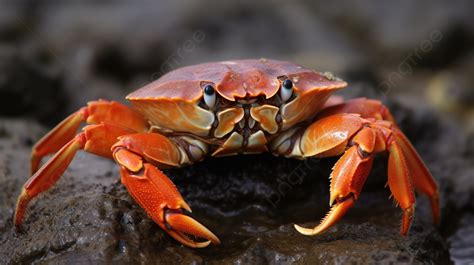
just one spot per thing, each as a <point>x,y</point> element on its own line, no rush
<point>296,79</point>
<point>339,135</point>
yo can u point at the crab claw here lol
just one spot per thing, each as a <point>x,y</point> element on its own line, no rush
<point>347,179</point>
<point>181,226</point>
<point>335,214</point>
<point>158,196</point>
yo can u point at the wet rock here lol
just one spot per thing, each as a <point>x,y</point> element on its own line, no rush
<point>462,242</point>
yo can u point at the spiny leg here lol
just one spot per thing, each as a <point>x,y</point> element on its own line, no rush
<point>351,170</point>
<point>96,139</point>
<point>95,112</point>
<point>401,185</point>
<point>373,109</point>
<point>422,178</point>
<point>347,179</point>
<point>138,156</point>
<point>364,138</point>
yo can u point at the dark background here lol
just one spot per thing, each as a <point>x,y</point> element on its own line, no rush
<point>417,57</point>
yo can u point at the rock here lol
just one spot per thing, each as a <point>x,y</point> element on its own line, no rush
<point>462,242</point>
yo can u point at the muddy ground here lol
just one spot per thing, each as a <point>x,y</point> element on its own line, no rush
<point>54,57</point>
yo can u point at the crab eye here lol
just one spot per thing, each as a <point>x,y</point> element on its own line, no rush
<point>209,96</point>
<point>286,90</point>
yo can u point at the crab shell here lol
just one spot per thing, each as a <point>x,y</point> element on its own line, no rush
<point>174,103</point>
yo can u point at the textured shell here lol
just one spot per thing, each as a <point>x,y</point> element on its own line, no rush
<point>232,79</point>
<point>172,102</point>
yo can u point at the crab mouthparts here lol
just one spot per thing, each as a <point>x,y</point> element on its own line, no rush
<point>246,101</point>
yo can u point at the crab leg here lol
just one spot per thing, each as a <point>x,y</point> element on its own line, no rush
<point>422,179</point>
<point>138,154</point>
<point>359,140</point>
<point>95,112</point>
<point>401,185</point>
<point>351,170</point>
<point>96,139</point>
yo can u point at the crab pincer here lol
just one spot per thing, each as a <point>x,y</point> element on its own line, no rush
<point>158,196</point>
<point>153,190</point>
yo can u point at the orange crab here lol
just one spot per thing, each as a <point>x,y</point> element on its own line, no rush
<point>228,108</point>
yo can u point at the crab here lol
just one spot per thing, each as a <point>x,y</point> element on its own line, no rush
<point>228,108</point>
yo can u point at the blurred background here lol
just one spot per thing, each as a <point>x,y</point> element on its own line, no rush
<point>57,55</point>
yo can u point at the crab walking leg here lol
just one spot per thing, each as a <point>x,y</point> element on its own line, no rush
<point>347,180</point>
<point>138,154</point>
<point>96,139</point>
<point>401,185</point>
<point>422,179</point>
<point>351,170</point>
<point>358,139</point>
<point>95,112</point>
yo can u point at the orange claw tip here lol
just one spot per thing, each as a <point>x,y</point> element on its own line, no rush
<point>334,215</point>
<point>185,240</point>
<point>407,220</point>
<point>20,209</point>
<point>305,231</point>
<point>183,225</point>
<point>185,206</point>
